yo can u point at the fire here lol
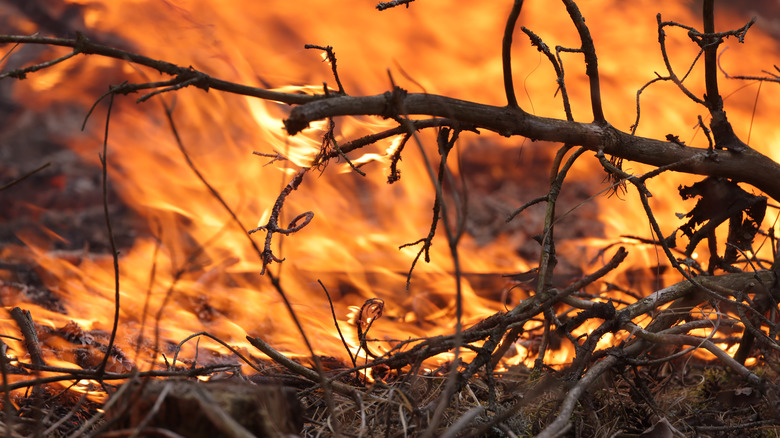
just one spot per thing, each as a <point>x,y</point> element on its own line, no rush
<point>192,269</point>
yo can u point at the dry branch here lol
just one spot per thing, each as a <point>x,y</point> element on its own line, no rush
<point>749,166</point>
<point>727,157</point>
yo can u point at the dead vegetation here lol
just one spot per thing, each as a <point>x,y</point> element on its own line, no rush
<point>647,383</point>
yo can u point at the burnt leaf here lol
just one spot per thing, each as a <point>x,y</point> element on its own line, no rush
<point>721,200</point>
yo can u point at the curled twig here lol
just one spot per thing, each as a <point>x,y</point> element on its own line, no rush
<point>369,312</point>
<point>272,226</point>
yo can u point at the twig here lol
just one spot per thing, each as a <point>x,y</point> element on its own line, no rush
<point>214,338</point>
<point>331,57</point>
<point>547,258</point>
<point>11,50</point>
<point>329,138</point>
<point>725,358</point>
<point>506,53</point>
<point>709,44</point>
<point>722,130</point>
<point>561,422</point>
<point>445,143</point>
<point>369,313</point>
<point>82,45</point>
<point>23,177</point>
<point>27,327</point>
<point>67,374</point>
<point>21,73</point>
<point>336,324</point>
<point>272,226</point>
<point>112,242</point>
<point>391,4</point>
<point>400,130</point>
<point>525,206</point>
<point>591,61</point>
<point>639,92</point>
<point>297,368</point>
<point>672,76</point>
<point>537,42</point>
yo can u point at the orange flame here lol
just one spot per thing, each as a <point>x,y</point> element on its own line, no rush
<point>196,270</point>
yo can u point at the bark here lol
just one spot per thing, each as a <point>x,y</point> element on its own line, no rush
<point>749,166</point>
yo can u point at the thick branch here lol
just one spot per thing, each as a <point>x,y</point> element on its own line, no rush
<point>749,166</point>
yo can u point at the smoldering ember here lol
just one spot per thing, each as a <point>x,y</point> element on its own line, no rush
<point>417,218</point>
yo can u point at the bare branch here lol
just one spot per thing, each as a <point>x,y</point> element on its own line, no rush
<point>721,128</point>
<point>84,46</point>
<point>331,58</point>
<point>750,166</point>
<point>591,61</point>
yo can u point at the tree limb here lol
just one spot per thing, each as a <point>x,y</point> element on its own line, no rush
<point>749,166</point>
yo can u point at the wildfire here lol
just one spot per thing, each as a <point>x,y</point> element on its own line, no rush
<point>192,269</point>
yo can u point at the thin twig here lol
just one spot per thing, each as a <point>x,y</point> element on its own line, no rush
<point>23,177</point>
<point>391,4</point>
<point>525,206</point>
<point>21,73</point>
<point>219,341</point>
<point>331,57</point>
<point>506,53</point>
<point>537,42</point>
<point>297,368</point>
<point>111,240</point>
<point>336,324</point>
<point>591,61</point>
<point>69,374</point>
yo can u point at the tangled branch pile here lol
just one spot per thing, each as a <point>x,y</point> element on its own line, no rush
<point>468,397</point>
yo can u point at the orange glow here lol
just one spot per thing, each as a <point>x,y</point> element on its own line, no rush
<point>206,272</point>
